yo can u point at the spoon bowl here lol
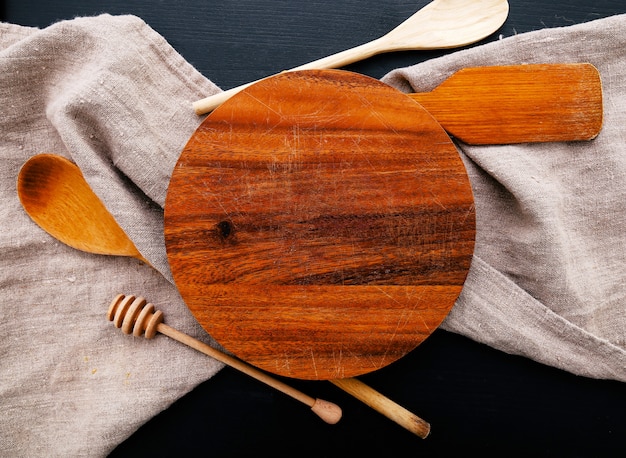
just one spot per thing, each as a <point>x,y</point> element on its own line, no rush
<point>441,24</point>
<point>56,196</point>
<point>446,24</point>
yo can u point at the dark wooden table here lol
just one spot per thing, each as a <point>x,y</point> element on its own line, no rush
<point>477,399</point>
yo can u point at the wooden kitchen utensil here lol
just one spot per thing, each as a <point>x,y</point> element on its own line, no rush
<point>319,224</point>
<point>439,25</point>
<point>518,103</point>
<point>56,196</point>
<point>135,315</point>
<point>52,172</point>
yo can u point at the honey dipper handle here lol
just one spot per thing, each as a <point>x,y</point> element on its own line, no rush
<point>327,411</point>
<point>135,315</point>
<point>384,405</point>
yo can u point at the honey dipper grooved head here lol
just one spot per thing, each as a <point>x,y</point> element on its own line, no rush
<point>134,314</point>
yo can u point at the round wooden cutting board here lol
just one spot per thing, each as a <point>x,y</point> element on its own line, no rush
<point>319,224</point>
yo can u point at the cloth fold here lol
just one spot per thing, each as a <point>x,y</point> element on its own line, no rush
<point>547,280</point>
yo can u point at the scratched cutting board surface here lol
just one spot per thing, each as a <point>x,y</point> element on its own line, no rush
<point>319,224</point>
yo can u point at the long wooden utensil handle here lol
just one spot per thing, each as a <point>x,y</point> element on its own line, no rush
<point>384,405</point>
<point>518,103</point>
<point>337,60</point>
<point>327,411</point>
<point>324,409</point>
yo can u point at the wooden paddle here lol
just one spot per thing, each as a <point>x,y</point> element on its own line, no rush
<point>518,103</point>
<point>319,224</point>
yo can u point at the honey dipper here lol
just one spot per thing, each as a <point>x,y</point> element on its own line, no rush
<point>137,316</point>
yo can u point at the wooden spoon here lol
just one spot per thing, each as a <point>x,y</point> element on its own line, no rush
<point>56,196</point>
<point>439,25</point>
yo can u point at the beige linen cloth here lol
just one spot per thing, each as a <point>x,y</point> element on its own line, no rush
<point>548,280</point>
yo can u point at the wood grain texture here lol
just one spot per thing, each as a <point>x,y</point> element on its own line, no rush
<point>319,224</point>
<point>519,103</point>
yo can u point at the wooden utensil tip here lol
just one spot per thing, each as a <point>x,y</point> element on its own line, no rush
<point>134,315</point>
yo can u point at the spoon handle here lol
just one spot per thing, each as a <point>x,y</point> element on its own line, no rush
<point>395,412</point>
<point>337,60</point>
<point>343,58</point>
<point>211,102</point>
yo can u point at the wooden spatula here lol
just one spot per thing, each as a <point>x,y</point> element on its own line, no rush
<point>518,103</point>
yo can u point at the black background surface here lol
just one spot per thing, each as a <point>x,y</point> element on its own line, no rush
<point>477,399</point>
